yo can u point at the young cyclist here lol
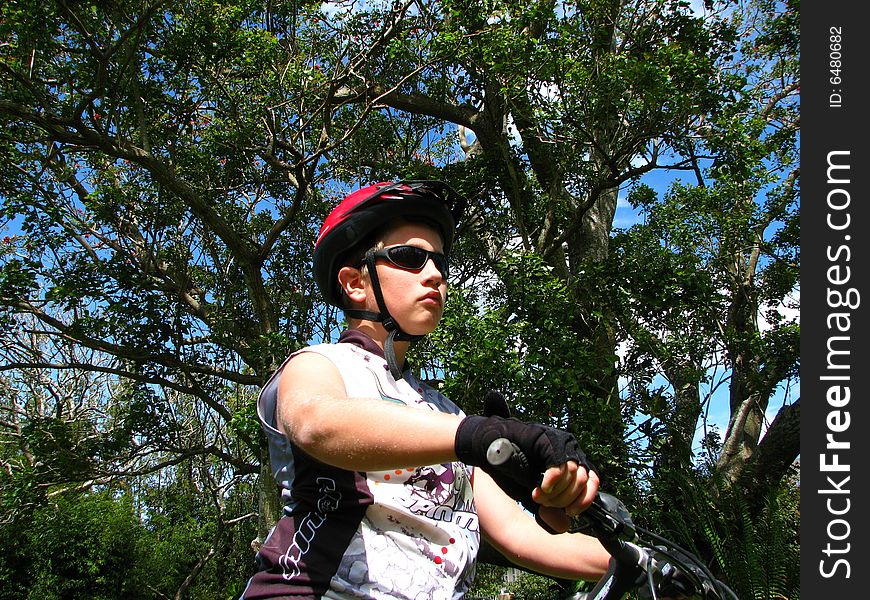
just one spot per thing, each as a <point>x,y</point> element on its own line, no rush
<point>386,484</point>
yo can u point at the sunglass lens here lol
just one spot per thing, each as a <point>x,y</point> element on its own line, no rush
<point>441,264</point>
<point>408,257</point>
<point>411,257</point>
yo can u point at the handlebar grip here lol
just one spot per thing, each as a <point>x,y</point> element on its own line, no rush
<point>500,451</point>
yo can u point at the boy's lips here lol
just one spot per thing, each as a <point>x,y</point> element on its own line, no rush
<point>433,297</point>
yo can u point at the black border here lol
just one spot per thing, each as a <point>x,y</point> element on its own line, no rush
<point>838,127</point>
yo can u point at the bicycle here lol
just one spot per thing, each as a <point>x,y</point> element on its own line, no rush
<point>638,556</point>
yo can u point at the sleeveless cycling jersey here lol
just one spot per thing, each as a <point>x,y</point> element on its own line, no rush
<point>408,533</point>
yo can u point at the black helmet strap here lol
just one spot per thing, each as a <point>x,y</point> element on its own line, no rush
<point>394,332</point>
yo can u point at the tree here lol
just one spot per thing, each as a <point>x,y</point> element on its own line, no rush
<point>715,263</point>
<point>149,220</point>
<point>561,100</point>
<point>112,484</point>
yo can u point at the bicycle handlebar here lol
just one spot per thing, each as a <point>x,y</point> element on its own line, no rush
<point>636,560</point>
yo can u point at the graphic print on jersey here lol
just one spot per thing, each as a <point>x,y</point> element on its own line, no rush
<point>308,528</point>
<point>440,493</point>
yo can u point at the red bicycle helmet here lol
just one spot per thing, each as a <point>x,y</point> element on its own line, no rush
<point>366,210</point>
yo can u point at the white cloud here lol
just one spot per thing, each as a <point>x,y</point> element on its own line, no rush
<point>789,308</point>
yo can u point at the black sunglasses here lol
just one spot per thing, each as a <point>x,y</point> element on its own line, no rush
<point>412,258</point>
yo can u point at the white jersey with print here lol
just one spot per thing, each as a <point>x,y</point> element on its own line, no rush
<point>410,532</point>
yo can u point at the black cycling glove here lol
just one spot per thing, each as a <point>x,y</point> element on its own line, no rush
<point>535,449</point>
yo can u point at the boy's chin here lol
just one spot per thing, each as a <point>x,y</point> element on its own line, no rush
<point>421,328</point>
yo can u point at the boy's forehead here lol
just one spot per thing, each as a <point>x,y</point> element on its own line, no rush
<point>408,231</point>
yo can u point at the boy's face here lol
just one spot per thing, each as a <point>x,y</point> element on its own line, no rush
<point>414,299</point>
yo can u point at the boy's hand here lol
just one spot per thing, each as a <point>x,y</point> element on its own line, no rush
<point>547,467</point>
<point>567,486</point>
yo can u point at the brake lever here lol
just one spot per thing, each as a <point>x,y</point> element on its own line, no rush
<point>606,515</point>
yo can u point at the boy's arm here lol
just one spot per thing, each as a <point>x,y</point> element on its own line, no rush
<point>358,434</point>
<point>365,434</point>
<point>514,532</point>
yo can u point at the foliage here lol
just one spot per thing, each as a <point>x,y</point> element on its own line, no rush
<point>181,529</point>
<point>768,563</point>
<point>488,581</point>
<point>73,547</point>
<point>492,581</point>
<point>756,553</point>
<point>535,587</point>
<point>100,546</point>
<point>528,350</point>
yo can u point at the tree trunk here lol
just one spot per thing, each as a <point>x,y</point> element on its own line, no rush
<point>269,501</point>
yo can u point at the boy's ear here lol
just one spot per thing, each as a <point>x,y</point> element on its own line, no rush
<point>352,284</point>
